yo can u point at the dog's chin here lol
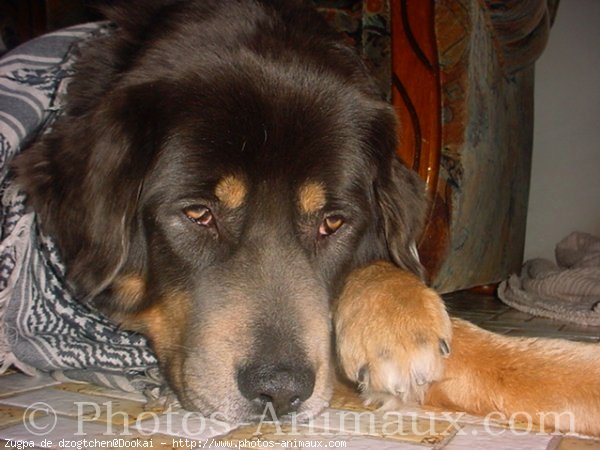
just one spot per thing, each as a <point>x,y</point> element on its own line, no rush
<point>230,410</point>
<point>235,409</point>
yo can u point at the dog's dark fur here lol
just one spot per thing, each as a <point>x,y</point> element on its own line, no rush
<point>232,286</point>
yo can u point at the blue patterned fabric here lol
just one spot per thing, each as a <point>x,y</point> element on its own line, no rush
<point>41,325</point>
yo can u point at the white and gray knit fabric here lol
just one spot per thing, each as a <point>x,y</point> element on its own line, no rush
<point>566,290</point>
<point>42,327</point>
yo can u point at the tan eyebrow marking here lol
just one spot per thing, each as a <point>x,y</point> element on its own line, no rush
<point>311,196</point>
<point>231,190</point>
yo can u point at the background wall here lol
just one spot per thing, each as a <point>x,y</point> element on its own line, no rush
<point>565,184</point>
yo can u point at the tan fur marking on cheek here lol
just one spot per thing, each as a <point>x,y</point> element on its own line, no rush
<point>311,196</point>
<point>130,289</point>
<point>231,190</point>
<point>164,323</point>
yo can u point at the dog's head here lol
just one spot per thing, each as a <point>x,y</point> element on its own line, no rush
<point>212,190</point>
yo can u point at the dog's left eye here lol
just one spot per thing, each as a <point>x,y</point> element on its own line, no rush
<point>330,225</point>
<point>199,214</point>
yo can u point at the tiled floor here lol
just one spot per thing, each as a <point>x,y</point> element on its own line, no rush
<point>47,414</point>
<point>490,313</point>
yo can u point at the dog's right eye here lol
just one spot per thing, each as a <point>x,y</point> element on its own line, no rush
<point>199,214</point>
<point>330,225</point>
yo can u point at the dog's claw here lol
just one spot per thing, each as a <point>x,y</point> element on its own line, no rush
<point>444,348</point>
<point>363,378</point>
<point>363,374</point>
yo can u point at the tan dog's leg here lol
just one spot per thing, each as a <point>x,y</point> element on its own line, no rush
<point>552,382</point>
<point>391,334</point>
<point>549,381</point>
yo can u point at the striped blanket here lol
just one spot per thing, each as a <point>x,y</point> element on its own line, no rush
<point>42,327</point>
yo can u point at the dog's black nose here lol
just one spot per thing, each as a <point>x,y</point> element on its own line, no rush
<point>284,387</point>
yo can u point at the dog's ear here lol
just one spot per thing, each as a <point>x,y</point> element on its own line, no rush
<point>84,179</point>
<point>402,203</point>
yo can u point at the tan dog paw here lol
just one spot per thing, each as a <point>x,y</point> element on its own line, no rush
<point>392,334</point>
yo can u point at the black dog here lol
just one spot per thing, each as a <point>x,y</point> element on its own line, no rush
<point>220,169</point>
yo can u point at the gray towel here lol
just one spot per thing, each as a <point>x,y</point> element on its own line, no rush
<point>566,290</point>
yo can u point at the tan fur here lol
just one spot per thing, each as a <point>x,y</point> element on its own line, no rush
<point>390,343</point>
<point>212,352</point>
<point>488,372</point>
<point>231,191</point>
<point>163,324</point>
<point>317,342</point>
<point>220,338</point>
<point>130,290</point>
<point>311,197</point>
<point>485,373</point>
